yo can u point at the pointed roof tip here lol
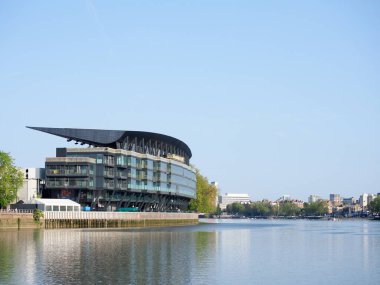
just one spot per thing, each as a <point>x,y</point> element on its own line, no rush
<point>38,128</point>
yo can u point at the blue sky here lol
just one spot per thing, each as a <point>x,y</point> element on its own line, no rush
<point>273,97</point>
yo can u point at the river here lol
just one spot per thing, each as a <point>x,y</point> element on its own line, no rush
<point>214,252</point>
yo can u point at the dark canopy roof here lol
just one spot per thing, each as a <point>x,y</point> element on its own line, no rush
<point>114,138</point>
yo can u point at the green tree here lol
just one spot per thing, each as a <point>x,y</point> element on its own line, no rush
<point>37,215</point>
<point>374,206</point>
<point>259,209</point>
<point>318,208</point>
<point>235,208</point>
<point>289,208</point>
<point>11,179</point>
<point>205,196</point>
<point>218,211</point>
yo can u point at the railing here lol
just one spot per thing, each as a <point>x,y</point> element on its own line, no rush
<point>15,211</point>
<point>70,183</point>
<point>121,175</point>
<point>109,173</point>
<point>118,216</point>
<point>69,172</point>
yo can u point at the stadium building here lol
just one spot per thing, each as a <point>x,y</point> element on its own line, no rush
<point>121,170</point>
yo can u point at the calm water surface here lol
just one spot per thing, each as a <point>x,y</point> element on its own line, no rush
<point>218,252</point>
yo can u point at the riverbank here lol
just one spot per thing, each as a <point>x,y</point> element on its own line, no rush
<point>323,218</point>
<point>61,220</point>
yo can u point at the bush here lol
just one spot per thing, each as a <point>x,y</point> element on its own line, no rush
<point>37,215</point>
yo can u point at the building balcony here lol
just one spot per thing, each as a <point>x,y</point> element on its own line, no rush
<point>54,172</point>
<point>109,173</point>
<point>70,184</point>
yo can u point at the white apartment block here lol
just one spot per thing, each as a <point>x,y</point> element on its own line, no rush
<point>230,198</point>
<point>33,178</point>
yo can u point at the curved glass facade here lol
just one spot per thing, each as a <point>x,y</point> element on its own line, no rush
<point>111,179</point>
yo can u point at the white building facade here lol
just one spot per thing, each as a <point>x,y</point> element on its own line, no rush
<point>33,182</point>
<point>230,198</point>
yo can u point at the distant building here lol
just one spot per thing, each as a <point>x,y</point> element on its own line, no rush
<point>284,198</point>
<point>230,198</point>
<point>314,198</point>
<point>34,181</point>
<point>49,205</point>
<point>349,201</point>
<point>217,192</point>
<point>335,199</point>
<point>363,200</point>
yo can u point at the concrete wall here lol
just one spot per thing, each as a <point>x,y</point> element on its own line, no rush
<point>18,220</point>
<point>95,219</point>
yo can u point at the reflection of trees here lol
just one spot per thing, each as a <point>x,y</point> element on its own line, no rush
<point>18,255</point>
<point>7,241</point>
<point>204,244</point>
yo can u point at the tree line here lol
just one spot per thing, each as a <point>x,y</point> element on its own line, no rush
<point>286,208</point>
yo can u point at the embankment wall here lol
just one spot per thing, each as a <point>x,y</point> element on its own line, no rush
<point>96,220</point>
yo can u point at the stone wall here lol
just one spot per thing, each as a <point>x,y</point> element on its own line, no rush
<point>19,220</point>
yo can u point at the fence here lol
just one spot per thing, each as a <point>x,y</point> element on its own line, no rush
<point>15,211</point>
<point>118,216</point>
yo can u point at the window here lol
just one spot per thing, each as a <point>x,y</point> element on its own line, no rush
<point>48,208</point>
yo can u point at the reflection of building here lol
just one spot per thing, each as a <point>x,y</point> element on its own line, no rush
<point>230,198</point>
<point>33,184</point>
<point>122,169</point>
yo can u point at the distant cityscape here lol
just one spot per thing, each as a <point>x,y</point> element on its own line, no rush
<point>338,205</point>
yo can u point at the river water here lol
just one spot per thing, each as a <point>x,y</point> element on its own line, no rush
<point>215,252</point>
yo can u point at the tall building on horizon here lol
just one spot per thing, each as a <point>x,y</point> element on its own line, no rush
<point>216,184</point>
<point>314,198</point>
<point>335,199</point>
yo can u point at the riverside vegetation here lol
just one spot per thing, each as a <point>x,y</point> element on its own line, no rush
<point>205,196</point>
<point>286,209</point>
<point>11,179</point>
<point>290,209</point>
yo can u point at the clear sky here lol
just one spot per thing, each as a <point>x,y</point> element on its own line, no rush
<point>272,97</point>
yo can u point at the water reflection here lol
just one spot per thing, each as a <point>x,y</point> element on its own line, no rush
<point>251,252</point>
<point>18,255</point>
<point>94,256</point>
